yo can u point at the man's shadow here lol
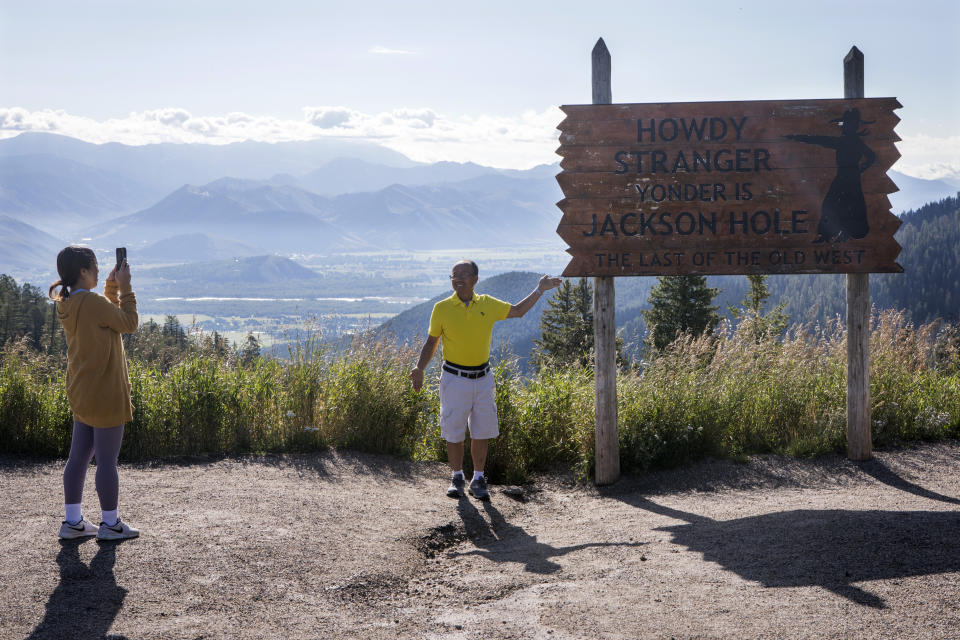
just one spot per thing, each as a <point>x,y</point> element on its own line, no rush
<point>501,541</point>
<point>87,600</point>
<point>829,548</point>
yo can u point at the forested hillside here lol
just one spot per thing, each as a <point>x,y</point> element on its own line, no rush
<point>26,312</point>
<point>930,283</point>
<point>928,288</point>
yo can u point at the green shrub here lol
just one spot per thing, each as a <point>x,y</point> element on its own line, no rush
<point>728,394</point>
<point>546,423</point>
<point>366,401</point>
<point>35,417</point>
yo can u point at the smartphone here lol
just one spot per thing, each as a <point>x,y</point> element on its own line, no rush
<point>121,256</point>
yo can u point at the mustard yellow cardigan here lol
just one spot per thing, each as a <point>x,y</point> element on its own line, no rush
<point>98,383</point>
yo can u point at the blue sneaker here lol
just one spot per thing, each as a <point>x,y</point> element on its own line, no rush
<point>455,490</point>
<point>478,488</point>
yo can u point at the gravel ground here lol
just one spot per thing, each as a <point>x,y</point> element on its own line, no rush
<point>346,545</point>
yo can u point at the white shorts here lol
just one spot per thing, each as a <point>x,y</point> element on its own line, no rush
<point>466,402</point>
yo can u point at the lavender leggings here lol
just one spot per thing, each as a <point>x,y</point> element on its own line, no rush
<point>105,445</point>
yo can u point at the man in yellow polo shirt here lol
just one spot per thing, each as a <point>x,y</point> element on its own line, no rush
<point>464,322</point>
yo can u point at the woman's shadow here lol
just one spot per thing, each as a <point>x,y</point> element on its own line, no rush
<point>87,600</point>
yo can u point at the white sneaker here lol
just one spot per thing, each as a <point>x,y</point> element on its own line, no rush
<point>119,531</point>
<point>83,529</point>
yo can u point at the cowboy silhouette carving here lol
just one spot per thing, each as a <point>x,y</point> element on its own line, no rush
<point>844,211</point>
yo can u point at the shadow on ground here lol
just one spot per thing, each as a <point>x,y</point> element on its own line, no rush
<point>829,548</point>
<point>332,461</point>
<point>325,463</point>
<point>882,473</point>
<point>501,541</point>
<point>87,600</point>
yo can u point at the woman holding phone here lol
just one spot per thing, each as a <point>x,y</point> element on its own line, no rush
<point>98,384</point>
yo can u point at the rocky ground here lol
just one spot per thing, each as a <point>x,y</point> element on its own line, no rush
<point>346,545</point>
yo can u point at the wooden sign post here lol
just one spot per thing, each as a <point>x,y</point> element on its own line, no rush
<point>698,188</point>
<point>607,436</point>
<point>859,437</point>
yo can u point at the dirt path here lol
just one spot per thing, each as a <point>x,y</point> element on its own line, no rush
<point>343,545</point>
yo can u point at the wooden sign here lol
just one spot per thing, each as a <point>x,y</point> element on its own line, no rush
<point>795,186</point>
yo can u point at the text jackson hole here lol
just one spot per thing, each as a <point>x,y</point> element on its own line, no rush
<point>716,160</point>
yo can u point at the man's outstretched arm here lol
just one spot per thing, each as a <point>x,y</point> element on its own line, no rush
<point>546,283</point>
<point>426,353</point>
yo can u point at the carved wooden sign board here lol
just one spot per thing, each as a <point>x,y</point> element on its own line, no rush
<point>787,186</point>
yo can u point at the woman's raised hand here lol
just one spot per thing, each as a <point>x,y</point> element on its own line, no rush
<point>123,275</point>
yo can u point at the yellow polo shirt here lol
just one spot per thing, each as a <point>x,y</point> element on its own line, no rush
<point>466,329</point>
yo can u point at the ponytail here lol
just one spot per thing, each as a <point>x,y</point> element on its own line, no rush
<point>70,261</point>
<point>64,292</point>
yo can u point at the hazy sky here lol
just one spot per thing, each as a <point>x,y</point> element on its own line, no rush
<point>451,80</point>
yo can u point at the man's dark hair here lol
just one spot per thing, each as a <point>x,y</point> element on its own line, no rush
<point>473,266</point>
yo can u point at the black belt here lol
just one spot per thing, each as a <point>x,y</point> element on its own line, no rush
<point>471,373</point>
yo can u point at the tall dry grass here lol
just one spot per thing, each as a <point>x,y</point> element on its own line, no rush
<point>722,395</point>
<point>730,395</point>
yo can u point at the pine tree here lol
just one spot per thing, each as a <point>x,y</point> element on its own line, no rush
<point>760,325</point>
<point>174,332</point>
<point>158,345</point>
<point>219,345</point>
<point>9,308</point>
<point>680,304</point>
<point>566,326</point>
<point>53,341</point>
<point>250,351</point>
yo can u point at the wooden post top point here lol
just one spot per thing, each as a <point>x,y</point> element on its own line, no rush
<point>853,54</point>
<point>600,58</point>
<point>600,49</point>
<point>853,74</point>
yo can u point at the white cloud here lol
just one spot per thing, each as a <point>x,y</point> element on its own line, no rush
<point>330,117</point>
<point>17,119</point>
<point>172,117</point>
<point>924,156</point>
<point>390,52</point>
<point>416,117</point>
<point>519,141</point>
<point>238,118</point>
<point>157,125</point>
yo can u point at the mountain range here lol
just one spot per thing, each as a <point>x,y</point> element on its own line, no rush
<point>293,197</point>
<point>165,167</point>
<point>352,175</point>
<point>173,204</point>
<point>289,198</point>
<point>287,219</point>
<point>25,247</point>
<point>916,192</point>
